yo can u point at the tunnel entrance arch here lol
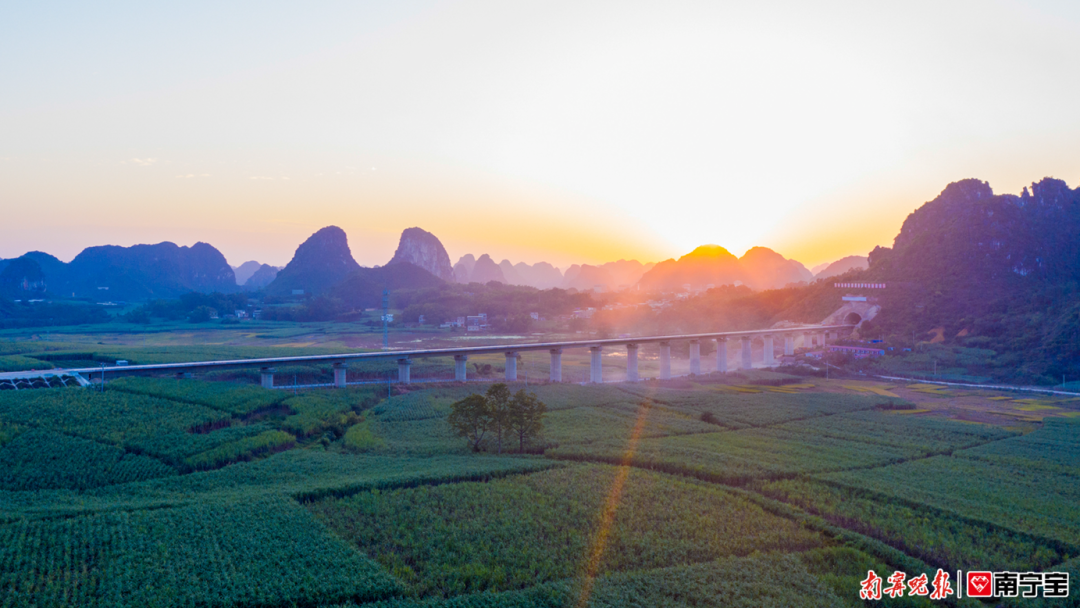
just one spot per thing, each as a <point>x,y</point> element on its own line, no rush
<point>853,318</point>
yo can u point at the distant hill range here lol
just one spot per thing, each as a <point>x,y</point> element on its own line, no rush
<point>324,261</point>
<point>542,275</point>
<point>323,265</point>
<point>843,265</point>
<point>253,275</point>
<point>109,272</point>
<point>712,265</point>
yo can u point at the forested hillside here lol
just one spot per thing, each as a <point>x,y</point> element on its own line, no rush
<point>999,272</point>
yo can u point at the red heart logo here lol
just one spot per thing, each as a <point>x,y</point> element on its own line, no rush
<point>980,582</point>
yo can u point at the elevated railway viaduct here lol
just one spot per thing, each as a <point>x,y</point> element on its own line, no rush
<point>811,336</point>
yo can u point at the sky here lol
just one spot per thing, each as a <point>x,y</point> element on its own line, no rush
<point>559,131</point>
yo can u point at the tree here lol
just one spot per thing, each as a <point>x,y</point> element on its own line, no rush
<point>471,418</point>
<point>498,398</point>
<point>525,417</point>
<point>201,314</point>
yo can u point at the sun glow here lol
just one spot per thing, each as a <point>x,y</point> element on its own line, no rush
<point>557,131</point>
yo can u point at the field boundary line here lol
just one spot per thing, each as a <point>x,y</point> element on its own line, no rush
<point>999,387</point>
<point>310,496</point>
<point>1062,546</point>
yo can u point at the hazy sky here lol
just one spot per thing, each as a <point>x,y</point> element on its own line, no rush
<point>560,131</point>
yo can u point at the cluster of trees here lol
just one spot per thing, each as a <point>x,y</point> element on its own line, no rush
<point>498,415</point>
<point>506,304</point>
<point>193,306</point>
<point>44,314</point>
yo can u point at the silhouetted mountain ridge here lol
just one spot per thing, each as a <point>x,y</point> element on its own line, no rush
<point>759,268</point>
<point>111,272</point>
<point>996,271</point>
<point>424,250</point>
<point>363,287</point>
<point>839,267</point>
<point>320,262</point>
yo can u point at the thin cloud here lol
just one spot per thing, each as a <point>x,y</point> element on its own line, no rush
<point>142,162</point>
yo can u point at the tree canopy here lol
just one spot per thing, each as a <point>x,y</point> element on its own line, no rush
<point>499,414</point>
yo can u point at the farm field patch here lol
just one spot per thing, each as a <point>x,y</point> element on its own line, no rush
<point>1012,496</point>
<point>518,531</point>
<point>749,489</point>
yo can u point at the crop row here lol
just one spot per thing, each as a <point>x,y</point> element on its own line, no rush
<point>18,363</point>
<point>111,417</point>
<point>940,538</point>
<point>241,449</point>
<point>517,531</point>
<point>757,409</point>
<point>224,396</point>
<point>815,579</point>
<point>306,474</point>
<point>265,552</point>
<point>360,438</point>
<point>1032,501</point>
<point>319,411</point>
<point>928,435</point>
<point>136,423</point>
<point>1055,447</point>
<point>42,460</point>
<point>738,456</point>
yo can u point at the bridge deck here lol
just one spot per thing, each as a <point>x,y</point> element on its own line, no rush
<point>269,362</point>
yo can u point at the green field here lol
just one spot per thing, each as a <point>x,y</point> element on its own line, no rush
<point>165,492</point>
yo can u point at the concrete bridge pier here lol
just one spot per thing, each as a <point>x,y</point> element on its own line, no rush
<point>808,340</point>
<point>556,365</point>
<point>695,357</point>
<point>770,353</point>
<point>340,374</point>
<point>789,344</point>
<point>665,360</point>
<point>404,368</point>
<point>266,377</point>
<point>747,353</point>
<point>461,367</point>
<point>596,369</point>
<point>631,363</point>
<point>721,355</point>
<point>511,366</point>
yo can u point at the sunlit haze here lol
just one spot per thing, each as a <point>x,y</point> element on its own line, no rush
<point>566,132</point>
